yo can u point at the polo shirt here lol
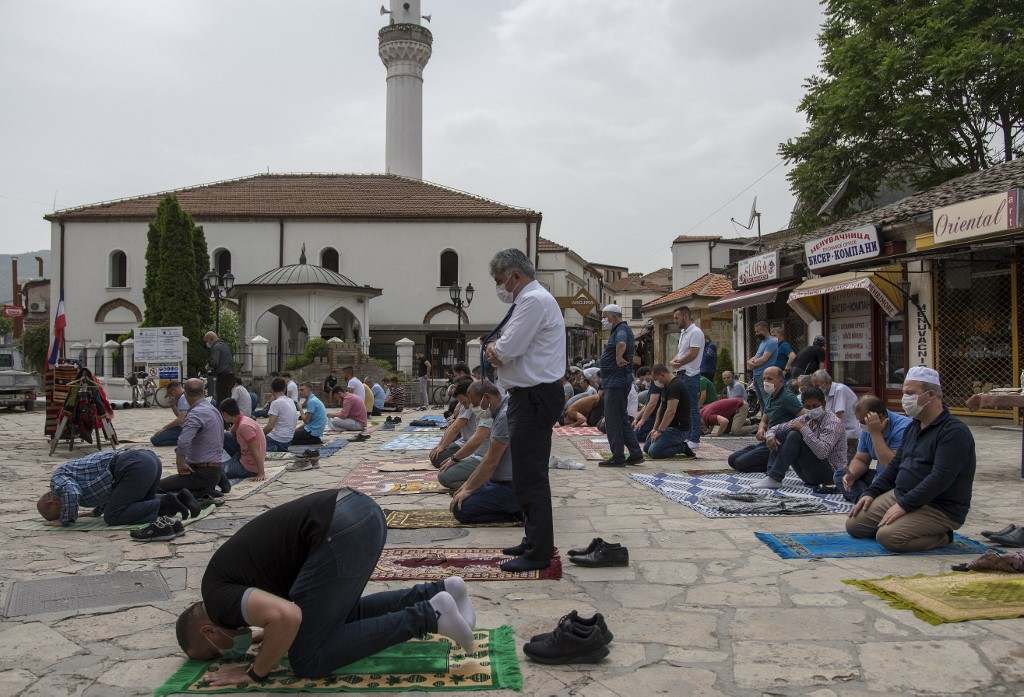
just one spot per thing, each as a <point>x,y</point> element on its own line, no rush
<point>251,442</point>
<point>691,337</point>
<point>893,436</point>
<point>501,433</point>
<point>781,406</point>
<point>769,345</point>
<point>612,375</point>
<point>317,416</point>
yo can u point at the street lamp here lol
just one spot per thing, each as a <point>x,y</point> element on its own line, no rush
<point>455,293</point>
<point>218,285</point>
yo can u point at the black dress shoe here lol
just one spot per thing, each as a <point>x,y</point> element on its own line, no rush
<point>190,502</point>
<point>590,548</point>
<point>635,459</point>
<point>1014,538</point>
<point>603,555</point>
<point>1005,531</point>
<point>611,462</point>
<point>524,563</point>
<point>569,643</point>
<point>573,618</point>
<point>517,551</point>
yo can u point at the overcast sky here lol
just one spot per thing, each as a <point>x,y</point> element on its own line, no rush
<point>625,123</point>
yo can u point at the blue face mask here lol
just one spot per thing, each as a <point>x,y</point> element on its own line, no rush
<point>240,644</point>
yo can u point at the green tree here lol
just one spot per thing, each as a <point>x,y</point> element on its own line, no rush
<point>35,342</point>
<point>6,326</point>
<point>724,363</point>
<point>229,328</point>
<point>911,94</point>
<point>150,295</point>
<point>201,253</point>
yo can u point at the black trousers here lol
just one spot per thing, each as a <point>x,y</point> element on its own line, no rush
<point>200,482</point>
<point>753,458</point>
<point>532,412</point>
<point>304,437</point>
<point>222,386</point>
<point>133,497</point>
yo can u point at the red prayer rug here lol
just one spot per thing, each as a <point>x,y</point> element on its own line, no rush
<point>436,564</point>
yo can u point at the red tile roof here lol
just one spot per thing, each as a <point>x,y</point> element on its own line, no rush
<point>637,283</point>
<point>358,196</point>
<point>545,245</point>
<point>710,285</point>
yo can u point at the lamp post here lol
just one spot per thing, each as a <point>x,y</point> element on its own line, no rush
<point>455,293</point>
<point>218,285</point>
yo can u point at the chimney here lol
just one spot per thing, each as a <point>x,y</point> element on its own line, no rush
<point>39,260</point>
<point>16,290</point>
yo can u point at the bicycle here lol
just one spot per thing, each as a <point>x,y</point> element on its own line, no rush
<point>439,395</point>
<point>147,390</point>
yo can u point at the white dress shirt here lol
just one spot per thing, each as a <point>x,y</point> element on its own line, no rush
<point>532,343</point>
<point>355,386</point>
<point>691,337</point>
<point>842,399</point>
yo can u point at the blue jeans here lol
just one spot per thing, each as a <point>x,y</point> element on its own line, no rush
<point>859,487</point>
<point>644,429</point>
<point>231,444</point>
<point>168,436</point>
<point>670,443</point>
<point>692,385</point>
<point>758,387</point>
<point>494,502</point>
<point>793,452</point>
<point>276,446</point>
<point>617,424</point>
<point>234,469</point>
<point>753,458</point>
<point>338,625</point>
<point>133,497</point>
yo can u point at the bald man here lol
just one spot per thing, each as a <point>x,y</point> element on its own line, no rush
<point>222,365</point>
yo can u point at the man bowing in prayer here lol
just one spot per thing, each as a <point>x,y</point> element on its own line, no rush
<point>529,354</point>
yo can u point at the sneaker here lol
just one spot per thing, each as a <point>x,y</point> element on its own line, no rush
<point>301,464</point>
<point>693,444</point>
<point>573,618</point>
<point>160,530</point>
<point>189,501</point>
<point>766,483</point>
<point>603,555</point>
<point>569,643</point>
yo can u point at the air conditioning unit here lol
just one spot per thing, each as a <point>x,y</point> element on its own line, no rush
<point>37,307</point>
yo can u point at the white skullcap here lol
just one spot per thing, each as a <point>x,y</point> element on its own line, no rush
<point>591,373</point>
<point>922,373</point>
<point>612,308</point>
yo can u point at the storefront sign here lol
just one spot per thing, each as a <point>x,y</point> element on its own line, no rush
<point>583,302</point>
<point>922,334</point>
<point>842,247</point>
<point>850,338</point>
<point>763,267</point>
<point>13,312</point>
<point>158,345</point>
<point>980,216</point>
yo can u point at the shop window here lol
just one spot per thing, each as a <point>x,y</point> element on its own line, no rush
<point>118,269</point>
<point>449,268</point>
<point>329,259</point>
<point>849,326</point>
<point>638,305</point>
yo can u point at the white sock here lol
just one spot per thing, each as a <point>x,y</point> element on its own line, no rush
<point>450,622</point>
<point>458,589</point>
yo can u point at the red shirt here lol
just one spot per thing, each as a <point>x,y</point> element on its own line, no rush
<point>251,441</point>
<point>722,407</point>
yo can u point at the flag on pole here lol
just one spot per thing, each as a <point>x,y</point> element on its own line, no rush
<point>59,322</point>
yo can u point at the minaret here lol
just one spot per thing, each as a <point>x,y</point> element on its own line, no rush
<point>405,50</point>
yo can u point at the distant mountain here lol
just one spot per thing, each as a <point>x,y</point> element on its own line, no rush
<point>28,268</point>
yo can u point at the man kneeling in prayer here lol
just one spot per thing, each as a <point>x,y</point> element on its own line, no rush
<point>813,444</point>
<point>462,426</point>
<point>120,484</point>
<point>488,495</point>
<point>460,464</point>
<point>668,437</point>
<point>880,440</point>
<point>925,492</point>
<point>297,573</point>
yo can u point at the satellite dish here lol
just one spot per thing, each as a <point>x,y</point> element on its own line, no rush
<point>426,17</point>
<point>753,212</point>
<point>832,201</point>
<point>384,10</point>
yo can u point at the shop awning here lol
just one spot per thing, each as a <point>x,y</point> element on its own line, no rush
<point>749,297</point>
<point>807,299</point>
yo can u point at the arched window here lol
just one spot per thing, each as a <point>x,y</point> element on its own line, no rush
<point>329,259</point>
<point>118,269</point>
<point>222,261</point>
<point>449,268</point>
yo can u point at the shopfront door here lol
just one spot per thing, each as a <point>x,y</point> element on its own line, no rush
<point>851,335</point>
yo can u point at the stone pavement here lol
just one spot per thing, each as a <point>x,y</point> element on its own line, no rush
<point>704,609</point>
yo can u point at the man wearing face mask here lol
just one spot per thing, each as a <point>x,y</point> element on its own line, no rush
<point>687,367</point>
<point>530,358</point>
<point>457,467</point>
<point>616,383</point>
<point>780,406</point>
<point>763,358</point>
<point>841,401</point>
<point>812,444</point>
<point>925,492</point>
<point>661,376</point>
<point>462,426</point>
<point>221,365</point>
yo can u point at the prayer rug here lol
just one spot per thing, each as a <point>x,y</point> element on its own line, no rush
<point>821,545</point>
<point>396,488</point>
<point>597,449</point>
<point>576,431</point>
<point>280,456</point>
<point>953,597</point>
<point>434,518</point>
<point>437,564</point>
<point>407,466</point>
<point>1012,562</point>
<point>367,479</point>
<point>430,665</point>
<point>429,420</point>
<point>326,449</point>
<point>249,486</point>
<point>96,524</point>
<point>688,490</point>
<point>421,429</point>
<point>731,443</point>
<point>412,441</point>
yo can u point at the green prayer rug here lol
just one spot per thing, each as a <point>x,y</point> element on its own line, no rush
<point>953,597</point>
<point>429,665</point>
<point>96,524</point>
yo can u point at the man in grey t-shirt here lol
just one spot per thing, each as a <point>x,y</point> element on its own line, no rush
<point>487,495</point>
<point>463,457</point>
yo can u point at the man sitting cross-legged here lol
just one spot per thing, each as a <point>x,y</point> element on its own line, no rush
<point>250,460</point>
<point>314,418</point>
<point>780,406</point>
<point>200,446</point>
<point>672,426</point>
<point>925,492</point>
<point>813,444</point>
<point>456,469</point>
<point>462,426</point>
<point>488,495</point>
<point>352,414</point>
<point>297,572</point>
<point>880,440</point>
<point>168,435</point>
<point>121,485</point>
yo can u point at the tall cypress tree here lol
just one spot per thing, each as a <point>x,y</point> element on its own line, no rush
<point>202,258</point>
<point>150,294</point>
<point>177,288</point>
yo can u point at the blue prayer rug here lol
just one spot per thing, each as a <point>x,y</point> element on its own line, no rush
<point>325,450</point>
<point>421,429</point>
<point>820,545</point>
<point>413,441</point>
<point>688,490</point>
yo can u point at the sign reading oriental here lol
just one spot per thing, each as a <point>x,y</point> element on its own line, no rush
<point>980,216</point>
<point>842,247</point>
<point>763,267</point>
<point>583,302</point>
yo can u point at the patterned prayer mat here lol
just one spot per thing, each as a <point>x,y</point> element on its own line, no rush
<point>326,449</point>
<point>430,665</point>
<point>730,443</point>
<point>396,488</point>
<point>688,490</point>
<point>413,441</point>
<point>576,431</point>
<point>249,486</point>
<point>953,597</point>
<point>96,524</point>
<point>436,564</point>
<point>820,545</point>
<point>597,449</point>
<point>421,429</point>
<point>367,479</point>
<point>406,466</point>
<point>434,518</point>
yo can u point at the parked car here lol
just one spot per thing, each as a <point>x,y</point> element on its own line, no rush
<point>18,388</point>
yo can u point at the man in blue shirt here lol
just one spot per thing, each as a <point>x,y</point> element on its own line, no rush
<point>880,440</point>
<point>785,355</point>
<point>379,397</point>
<point>616,379</point>
<point>709,359</point>
<point>314,420</point>
<point>763,358</point>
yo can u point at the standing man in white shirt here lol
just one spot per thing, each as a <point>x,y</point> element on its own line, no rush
<point>841,401</point>
<point>530,359</point>
<point>687,367</point>
<point>355,385</point>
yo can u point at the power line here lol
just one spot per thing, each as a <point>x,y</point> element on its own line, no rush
<point>738,194</point>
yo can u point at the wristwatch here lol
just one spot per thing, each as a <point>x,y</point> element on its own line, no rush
<point>254,676</point>
<point>455,459</point>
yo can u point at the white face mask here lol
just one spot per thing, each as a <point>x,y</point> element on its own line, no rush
<point>504,294</point>
<point>911,405</point>
<point>605,324</point>
<point>816,412</point>
<point>769,388</point>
